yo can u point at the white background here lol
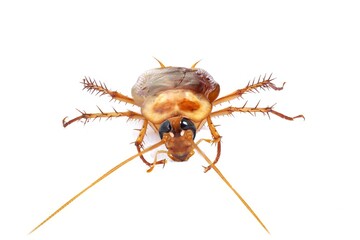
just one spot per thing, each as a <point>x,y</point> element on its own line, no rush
<point>301,177</point>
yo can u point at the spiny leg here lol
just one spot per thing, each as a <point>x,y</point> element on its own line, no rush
<point>100,88</point>
<point>261,83</point>
<point>216,139</point>
<point>108,115</point>
<point>252,111</point>
<point>139,145</point>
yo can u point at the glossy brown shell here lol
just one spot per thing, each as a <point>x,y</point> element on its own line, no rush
<point>163,93</point>
<point>157,80</point>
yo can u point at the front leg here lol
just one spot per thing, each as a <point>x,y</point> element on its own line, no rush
<point>140,147</point>
<point>216,139</point>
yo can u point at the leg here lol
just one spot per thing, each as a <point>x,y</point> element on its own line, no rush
<point>87,116</point>
<point>139,147</point>
<point>254,110</point>
<point>156,161</point>
<point>100,88</point>
<point>262,83</point>
<point>216,140</point>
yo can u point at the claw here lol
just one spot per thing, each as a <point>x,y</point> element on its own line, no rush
<point>150,168</point>
<point>152,165</point>
<point>206,168</point>
<point>64,122</point>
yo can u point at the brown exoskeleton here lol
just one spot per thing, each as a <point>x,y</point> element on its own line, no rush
<point>176,102</point>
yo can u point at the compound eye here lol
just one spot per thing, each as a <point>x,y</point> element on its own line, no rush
<point>165,127</point>
<point>187,124</point>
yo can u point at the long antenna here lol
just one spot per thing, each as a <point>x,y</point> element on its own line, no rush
<point>97,181</point>
<point>228,184</point>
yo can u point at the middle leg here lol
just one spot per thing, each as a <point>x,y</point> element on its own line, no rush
<point>253,111</point>
<point>85,117</point>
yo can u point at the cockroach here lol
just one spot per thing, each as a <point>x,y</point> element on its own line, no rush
<point>176,102</point>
